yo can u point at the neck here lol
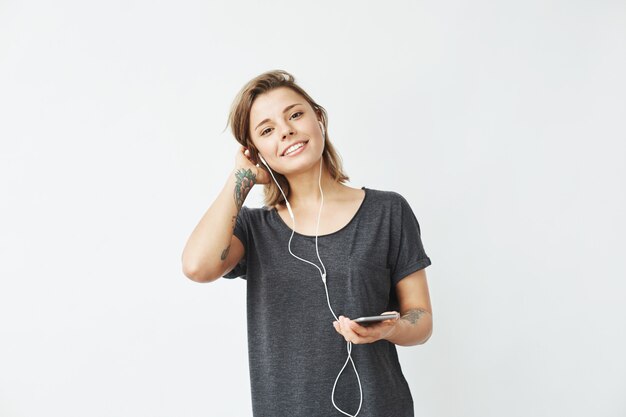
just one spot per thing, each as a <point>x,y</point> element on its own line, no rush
<point>304,188</point>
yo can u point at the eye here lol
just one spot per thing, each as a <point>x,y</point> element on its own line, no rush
<point>298,113</point>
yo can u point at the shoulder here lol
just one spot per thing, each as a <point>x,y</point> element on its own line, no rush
<point>391,204</point>
<point>388,197</point>
<point>254,213</point>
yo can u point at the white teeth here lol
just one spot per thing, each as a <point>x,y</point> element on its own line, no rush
<point>294,147</point>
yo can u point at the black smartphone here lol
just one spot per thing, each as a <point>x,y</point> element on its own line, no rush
<point>375,319</point>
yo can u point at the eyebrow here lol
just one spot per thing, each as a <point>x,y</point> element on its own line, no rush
<point>284,111</point>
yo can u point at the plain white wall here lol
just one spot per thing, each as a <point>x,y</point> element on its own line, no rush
<point>502,123</point>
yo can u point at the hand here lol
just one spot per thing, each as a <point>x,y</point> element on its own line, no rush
<point>243,160</point>
<point>358,334</point>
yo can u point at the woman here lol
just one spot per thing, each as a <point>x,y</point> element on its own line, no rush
<point>317,254</point>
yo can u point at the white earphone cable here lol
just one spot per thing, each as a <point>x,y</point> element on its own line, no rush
<point>323,274</point>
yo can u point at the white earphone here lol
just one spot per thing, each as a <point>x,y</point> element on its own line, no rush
<point>323,275</point>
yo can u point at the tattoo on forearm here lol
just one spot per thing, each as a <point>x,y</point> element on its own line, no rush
<point>412,316</point>
<point>245,179</point>
<point>233,221</point>
<point>225,252</point>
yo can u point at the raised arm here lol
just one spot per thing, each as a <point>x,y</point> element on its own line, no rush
<point>212,249</point>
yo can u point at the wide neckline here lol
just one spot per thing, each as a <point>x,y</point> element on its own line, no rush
<point>282,222</point>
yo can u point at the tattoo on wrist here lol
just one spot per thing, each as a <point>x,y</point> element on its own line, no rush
<point>244,180</point>
<point>412,316</point>
<point>225,252</point>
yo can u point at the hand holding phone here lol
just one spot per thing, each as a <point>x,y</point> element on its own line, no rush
<point>365,321</point>
<point>367,329</point>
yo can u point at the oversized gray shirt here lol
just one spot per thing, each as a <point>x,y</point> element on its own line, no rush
<point>294,352</point>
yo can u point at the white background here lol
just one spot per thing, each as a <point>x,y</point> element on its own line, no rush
<point>502,123</point>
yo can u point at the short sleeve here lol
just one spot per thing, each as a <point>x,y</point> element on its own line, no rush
<point>241,232</point>
<point>406,251</point>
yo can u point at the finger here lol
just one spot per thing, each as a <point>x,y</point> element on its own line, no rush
<point>340,330</point>
<point>337,327</point>
<point>374,331</point>
<point>344,329</point>
<point>390,312</point>
<point>358,329</point>
<point>392,319</point>
<point>348,333</point>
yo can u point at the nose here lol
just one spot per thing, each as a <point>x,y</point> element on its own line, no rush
<point>288,131</point>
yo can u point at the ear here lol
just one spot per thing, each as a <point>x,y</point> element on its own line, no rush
<point>254,153</point>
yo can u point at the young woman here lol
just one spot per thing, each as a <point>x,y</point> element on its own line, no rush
<point>316,256</point>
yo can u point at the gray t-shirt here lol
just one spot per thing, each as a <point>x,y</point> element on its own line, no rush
<point>294,352</point>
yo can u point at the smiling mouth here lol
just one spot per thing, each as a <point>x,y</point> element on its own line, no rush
<point>303,144</point>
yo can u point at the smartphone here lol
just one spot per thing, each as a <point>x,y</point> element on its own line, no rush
<point>374,319</point>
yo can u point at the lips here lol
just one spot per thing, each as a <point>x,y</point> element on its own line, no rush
<point>285,150</point>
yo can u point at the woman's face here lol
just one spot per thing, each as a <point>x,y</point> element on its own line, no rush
<point>280,119</point>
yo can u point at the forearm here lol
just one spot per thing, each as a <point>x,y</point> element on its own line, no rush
<point>209,243</point>
<point>413,328</point>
